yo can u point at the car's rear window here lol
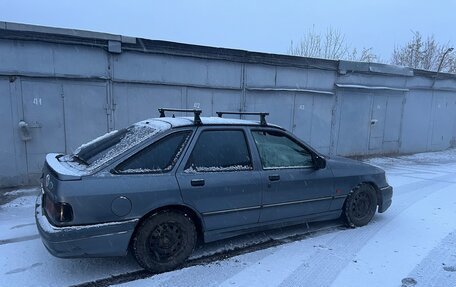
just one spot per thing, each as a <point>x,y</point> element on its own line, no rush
<point>159,157</point>
<point>104,148</point>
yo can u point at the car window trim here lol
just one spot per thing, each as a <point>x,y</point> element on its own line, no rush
<point>114,171</point>
<point>228,128</point>
<point>289,167</point>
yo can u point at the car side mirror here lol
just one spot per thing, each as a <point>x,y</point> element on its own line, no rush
<point>320,162</point>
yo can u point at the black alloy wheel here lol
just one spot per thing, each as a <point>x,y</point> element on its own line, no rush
<point>164,241</point>
<point>360,206</point>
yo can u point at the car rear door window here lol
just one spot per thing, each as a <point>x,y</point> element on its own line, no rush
<point>159,157</point>
<point>278,150</point>
<point>220,150</point>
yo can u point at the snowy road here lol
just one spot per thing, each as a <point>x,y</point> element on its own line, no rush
<point>412,244</point>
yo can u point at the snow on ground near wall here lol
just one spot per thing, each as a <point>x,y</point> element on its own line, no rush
<point>16,213</point>
<point>412,244</point>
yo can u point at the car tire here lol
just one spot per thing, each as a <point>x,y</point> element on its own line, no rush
<point>360,206</point>
<point>164,241</point>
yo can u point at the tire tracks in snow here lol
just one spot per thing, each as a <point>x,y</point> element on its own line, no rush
<point>19,239</point>
<point>438,268</point>
<point>319,271</point>
<point>222,255</point>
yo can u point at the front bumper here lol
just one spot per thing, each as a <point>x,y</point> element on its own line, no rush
<point>97,240</point>
<point>385,198</point>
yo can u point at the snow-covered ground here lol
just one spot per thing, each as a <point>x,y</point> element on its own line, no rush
<point>412,244</point>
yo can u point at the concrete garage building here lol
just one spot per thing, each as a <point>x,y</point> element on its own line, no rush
<point>61,87</point>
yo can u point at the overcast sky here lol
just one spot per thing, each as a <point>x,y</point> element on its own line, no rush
<point>266,26</point>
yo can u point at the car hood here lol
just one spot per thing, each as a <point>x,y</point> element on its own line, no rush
<point>342,166</point>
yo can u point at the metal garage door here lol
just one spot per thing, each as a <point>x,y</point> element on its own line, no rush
<point>353,133</point>
<point>385,125</point>
<point>43,112</point>
<point>278,104</point>
<point>312,117</point>
<point>86,112</point>
<point>60,116</point>
<point>135,103</point>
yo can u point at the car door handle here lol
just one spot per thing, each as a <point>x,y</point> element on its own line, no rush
<point>197,182</point>
<point>274,177</point>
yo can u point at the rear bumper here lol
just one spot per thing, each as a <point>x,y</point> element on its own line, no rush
<point>97,240</point>
<point>385,200</point>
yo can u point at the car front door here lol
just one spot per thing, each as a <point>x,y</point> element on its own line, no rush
<point>294,187</point>
<point>217,178</point>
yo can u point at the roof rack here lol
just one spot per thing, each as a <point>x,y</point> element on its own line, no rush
<point>196,113</point>
<point>261,114</point>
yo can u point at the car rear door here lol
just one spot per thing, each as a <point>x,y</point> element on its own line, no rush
<point>294,187</point>
<point>217,179</point>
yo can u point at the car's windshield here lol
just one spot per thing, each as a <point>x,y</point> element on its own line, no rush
<point>108,146</point>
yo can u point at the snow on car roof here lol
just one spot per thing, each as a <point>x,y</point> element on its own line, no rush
<point>188,121</point>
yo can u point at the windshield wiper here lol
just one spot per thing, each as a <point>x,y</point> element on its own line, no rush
<point>80,159</point>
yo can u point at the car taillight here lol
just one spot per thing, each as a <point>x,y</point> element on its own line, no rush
<point>58,211</point>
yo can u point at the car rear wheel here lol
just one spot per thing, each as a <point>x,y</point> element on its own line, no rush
<point>360,206</point>
<point>164,241</point>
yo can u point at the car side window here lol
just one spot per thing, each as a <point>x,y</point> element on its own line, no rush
<point>159,157</point>
<point>220,150</point>
<point>278,150</point>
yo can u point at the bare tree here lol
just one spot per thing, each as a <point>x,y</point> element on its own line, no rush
<point>425,54</point>
<point>366,55</point>
<point>452,68</point>
<point>331,45</point>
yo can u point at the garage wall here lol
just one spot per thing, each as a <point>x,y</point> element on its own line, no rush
<point>71,92</point>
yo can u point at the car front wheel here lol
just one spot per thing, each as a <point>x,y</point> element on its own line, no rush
<point>360,205</point>
<point>164,241</point>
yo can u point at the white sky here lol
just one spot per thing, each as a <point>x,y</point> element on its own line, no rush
<point>266,26</point>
